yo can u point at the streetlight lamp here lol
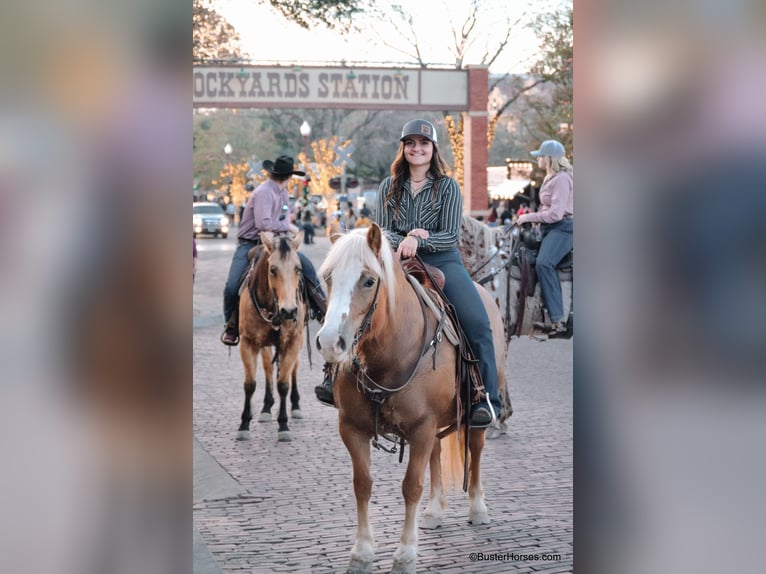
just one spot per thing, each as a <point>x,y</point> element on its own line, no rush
<point>227,149</point>
<point>305,130</point>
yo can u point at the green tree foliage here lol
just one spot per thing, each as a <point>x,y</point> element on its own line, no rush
<point>553,107</point>
<point>214,38</point>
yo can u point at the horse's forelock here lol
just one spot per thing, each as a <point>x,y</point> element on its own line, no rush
<point>285,247</point>
<point>352,246</point>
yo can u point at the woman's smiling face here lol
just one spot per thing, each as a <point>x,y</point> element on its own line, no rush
<point>418,150</point>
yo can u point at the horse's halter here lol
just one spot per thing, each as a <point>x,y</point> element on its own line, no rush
<point>267,314</point>
<point>373,389</point>
<point>366,323</point>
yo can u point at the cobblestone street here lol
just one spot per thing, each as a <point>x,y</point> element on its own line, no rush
<point>262,506</point>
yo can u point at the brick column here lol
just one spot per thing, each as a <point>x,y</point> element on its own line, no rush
<point>475,155</point>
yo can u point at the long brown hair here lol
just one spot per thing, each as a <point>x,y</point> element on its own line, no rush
<point>400,173</point>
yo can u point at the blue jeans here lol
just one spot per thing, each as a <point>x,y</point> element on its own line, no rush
<point>462,294</point>
<point>558,240</point>
<point>239,263</point>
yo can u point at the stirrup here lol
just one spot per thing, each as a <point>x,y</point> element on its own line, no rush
<point>230,337</point>
<point>488,417</point>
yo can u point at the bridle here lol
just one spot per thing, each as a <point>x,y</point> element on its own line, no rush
<point>374,391</point>
<point>269,312</point>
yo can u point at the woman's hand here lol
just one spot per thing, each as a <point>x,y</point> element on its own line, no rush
<point>408,247</point>
<point>421,233</point>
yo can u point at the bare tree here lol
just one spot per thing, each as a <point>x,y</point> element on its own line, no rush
<point>466,36</point>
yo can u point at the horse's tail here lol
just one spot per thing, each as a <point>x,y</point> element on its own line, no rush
<point>453,460</point>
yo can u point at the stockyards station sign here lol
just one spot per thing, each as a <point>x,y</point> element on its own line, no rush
<point>343,87</point>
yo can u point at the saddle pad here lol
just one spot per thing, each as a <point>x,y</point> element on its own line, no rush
<point>430,298</point>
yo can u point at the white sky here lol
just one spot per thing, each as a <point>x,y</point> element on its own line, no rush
<point>267,37</point>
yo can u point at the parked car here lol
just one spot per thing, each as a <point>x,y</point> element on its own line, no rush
<point>209,218</point>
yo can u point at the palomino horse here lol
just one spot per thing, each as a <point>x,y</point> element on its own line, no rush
<point>272,317</point>
<point>395,374</point>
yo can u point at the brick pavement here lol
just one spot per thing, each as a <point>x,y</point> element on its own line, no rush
<point>292,508</point>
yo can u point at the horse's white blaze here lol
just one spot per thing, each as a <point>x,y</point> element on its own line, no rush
<point>335,325</point>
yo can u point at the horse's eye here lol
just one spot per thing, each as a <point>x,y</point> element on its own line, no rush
<point>298,269</point>
<point>273,270</point>
<point>370,282</point>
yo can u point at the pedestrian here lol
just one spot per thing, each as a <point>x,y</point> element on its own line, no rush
<point>349,219</point>
<point>364,219</point>
<point>231,211</point>
<point>194,266</point>
<point>420,209</point>
<point>308,228</point>
<point>267,209</point>
<point>557,230</point>
<point>492,217</point>
<point>334,225</point>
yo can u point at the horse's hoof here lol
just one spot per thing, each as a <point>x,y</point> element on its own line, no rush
<point>243,435</point>
<point>493,432</point>
<point>430,521</point>
<point>296,414</point>
<point>264,418</point>
<point>362,555</point>
<point>404,560</point>
<point>359,565</point>
<point>476,518</point>
<point>284,436</point>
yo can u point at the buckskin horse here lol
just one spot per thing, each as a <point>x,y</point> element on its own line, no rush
<point>396,374</point>
<point>272,315</point>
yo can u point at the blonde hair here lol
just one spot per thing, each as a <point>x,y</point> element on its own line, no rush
<point>557,164</point>
<point>560,164</point>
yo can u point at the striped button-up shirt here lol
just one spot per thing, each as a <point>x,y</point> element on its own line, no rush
<point>440,213</point>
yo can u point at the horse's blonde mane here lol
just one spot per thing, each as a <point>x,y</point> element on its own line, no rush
<point>352,246</point>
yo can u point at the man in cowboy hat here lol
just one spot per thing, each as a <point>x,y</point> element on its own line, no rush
<point>268,209</point>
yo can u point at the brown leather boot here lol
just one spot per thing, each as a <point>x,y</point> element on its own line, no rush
<point>323,390</point>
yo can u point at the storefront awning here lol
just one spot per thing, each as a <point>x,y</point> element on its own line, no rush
<point>508,188</point>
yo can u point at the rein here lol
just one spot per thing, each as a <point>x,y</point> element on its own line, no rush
<point>375,392</point>
<point>499,251</point>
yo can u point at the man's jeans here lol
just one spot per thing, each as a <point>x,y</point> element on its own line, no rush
<point>558,240</point>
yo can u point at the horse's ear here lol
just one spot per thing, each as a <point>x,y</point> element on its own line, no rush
<point>297,240</point>
<point>267,238</point>
<point>335,236</point>
<point>374,238</point>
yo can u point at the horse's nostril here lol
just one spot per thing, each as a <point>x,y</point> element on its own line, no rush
<point>319,345</point>
<point>342,343</point>
<point>288,315</point>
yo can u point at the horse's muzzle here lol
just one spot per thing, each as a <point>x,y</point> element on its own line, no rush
<point>288,315</point>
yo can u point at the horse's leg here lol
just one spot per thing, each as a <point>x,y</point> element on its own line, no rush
<point>421,445</point>
<point>295,398</point>
<point>437,502</point>
<point>249,355</point>
<point>363,552</point>
<point>477,513</point>
<point>288,364</point>
<point>267,357</point>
